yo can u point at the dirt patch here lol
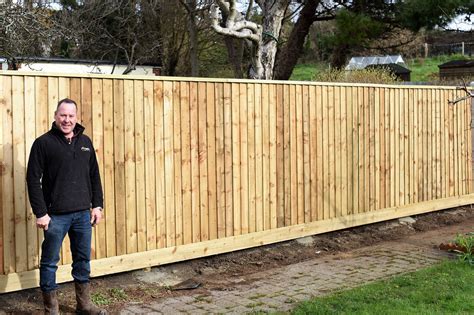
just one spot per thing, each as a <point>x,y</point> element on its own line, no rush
<point>223,272</point>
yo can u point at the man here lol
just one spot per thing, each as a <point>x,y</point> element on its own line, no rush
<point>63,185</point>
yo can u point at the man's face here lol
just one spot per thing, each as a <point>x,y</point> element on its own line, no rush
<point>66,118</point>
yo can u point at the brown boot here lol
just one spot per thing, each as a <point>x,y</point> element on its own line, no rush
<point>50,302</point>
<point>84,303</point>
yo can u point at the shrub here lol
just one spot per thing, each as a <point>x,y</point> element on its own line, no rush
<point>371,75</point>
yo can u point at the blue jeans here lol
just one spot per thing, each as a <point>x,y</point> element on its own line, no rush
<point>78,226</point>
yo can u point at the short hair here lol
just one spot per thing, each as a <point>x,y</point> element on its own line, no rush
<point>66,100</point>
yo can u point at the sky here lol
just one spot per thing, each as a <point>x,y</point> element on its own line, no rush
<point>459,24</point>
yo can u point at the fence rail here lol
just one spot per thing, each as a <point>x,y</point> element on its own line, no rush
<point>193,167</point>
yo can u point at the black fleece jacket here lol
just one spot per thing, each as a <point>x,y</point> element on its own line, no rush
<point>61,176</point>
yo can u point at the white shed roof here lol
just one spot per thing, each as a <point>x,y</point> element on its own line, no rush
<point>362,62</point>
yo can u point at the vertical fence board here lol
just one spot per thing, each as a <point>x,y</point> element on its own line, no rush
<point>30,133</point>
<point>149,149</point>
<point>306,143</point>
<point>266,182</point>
<point>228,156</point>
<point>182,163</point>
<point>168,134</point>
<point>280,156</point>
<point>220,162</point>
<point>203,160</point>
<point>98,141</point>
<point>130,171</point>
<point>140,165</point>
<point>272,107</point>
<point>109,170</point>
<point>211,159</point>
<point>299,155</point>
<point>259,215</point>
<point>196,222</point>
<point>159,174</point>
<point>252,189</point>
<point>19,168</point>
<point>119,168</point>
<point>244,166</point>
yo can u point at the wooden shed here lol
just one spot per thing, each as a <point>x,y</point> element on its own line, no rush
<point>457,69</point>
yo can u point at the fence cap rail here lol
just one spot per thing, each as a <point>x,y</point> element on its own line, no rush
<point>216,80</point>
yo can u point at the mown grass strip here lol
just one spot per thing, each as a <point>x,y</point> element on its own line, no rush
<point>446,288</point>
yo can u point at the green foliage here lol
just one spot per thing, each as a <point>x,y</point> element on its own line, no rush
<point>356,29</point>
<point>443,289</point>
<point>110,296</point>
<point>99,298</point>
<point>415,14</point>
<point>377,76</point>
<point>466,241</point>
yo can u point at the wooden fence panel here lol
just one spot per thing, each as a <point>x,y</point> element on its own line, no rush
<point>193,167</point>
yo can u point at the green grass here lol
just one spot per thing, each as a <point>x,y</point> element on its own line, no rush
<point>306,72</point>
<point>447,288</point>
<point>426,69</point>
<point>422,69</point>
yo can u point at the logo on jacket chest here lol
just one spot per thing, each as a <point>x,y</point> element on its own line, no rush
<point>85,149</point>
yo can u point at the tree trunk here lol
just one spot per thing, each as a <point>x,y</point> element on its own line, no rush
<point>339,56</point>
<point>273,14</point>
<point>288,55</point>
<point>193,37</point>
<point>235,51</point>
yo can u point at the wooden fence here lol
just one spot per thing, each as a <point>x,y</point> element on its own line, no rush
<point>193,167</point>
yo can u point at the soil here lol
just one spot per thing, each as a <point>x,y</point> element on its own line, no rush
<point>226,271</point>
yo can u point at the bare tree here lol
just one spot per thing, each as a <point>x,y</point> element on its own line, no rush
<point>26,30</point>
<point>120,30</point>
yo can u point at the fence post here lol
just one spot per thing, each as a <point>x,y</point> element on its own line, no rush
<point>462,48</point>
<point>426,50</point>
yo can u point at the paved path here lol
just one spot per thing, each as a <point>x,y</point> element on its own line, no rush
<point>280,289</point>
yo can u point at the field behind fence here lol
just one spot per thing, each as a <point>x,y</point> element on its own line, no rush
<point>194,167</point>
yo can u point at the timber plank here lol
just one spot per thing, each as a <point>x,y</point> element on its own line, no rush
<point>98,141</point>
<point>169,171</point>
<point>109,172</point>
<point>19,173</point>
<point>266,184</point>
<point>258,173</point>
<point>244,165</point>
<point>220,162</point>
<point>160,173</point>
<point>30,135</point>
<point>203,160</point>
<point>272,106</point>
<point>193,113</point>
<point>228,156</point>
<point>130,171</point>
<point>211,159</point>
<point>236,147</point>
<point>140,165</point>
<point>182,163</point>
<point>149,178</point>
<point>119,168</point>
<point>305,141</point>
<point>9,256</point>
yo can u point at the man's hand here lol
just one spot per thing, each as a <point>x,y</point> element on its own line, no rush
<point>96,216</point>
<point>43,222</point>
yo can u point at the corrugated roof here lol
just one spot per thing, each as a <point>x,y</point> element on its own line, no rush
<point>362,62</point>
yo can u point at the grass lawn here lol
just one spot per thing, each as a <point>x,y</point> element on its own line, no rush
<point>447,288</point>
<point>422,69</point>
<point>306,72</point>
